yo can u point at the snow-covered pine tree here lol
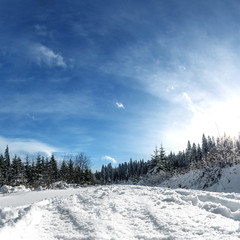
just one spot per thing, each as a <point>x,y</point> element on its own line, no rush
<point>204,146</point>
<point>1,170</point>
<point>53,169</point>
<point>64,171</point>
<point>6,171</point>
<point>16,173</point>
<point>188,154</point>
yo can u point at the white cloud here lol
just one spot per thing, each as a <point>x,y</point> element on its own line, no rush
<point>189,102</point>
<point>26,146</point>
<point>109,159</point>
<point>44,55</point>
<point>120,105</point>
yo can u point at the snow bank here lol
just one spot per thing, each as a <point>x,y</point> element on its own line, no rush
<point>217,180</point>
<point>229,181</point>
<point>8,189</point>
<point>59,185</point>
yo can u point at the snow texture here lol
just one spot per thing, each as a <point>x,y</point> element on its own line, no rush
<point>217,180</point>
<point>119,212</point>
<point>67,212</point>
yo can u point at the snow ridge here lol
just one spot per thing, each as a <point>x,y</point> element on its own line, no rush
<point>217,179</point>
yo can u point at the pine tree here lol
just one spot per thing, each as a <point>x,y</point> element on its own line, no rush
<point>194,153</point>
<point>109,173</point>
<point>188,154</point>
<point>16,175</point>
<point>64,171</point>
<point>199,153</point>
<point>53,169</point>
<point>103,174</point>
<point>79,176</point>
<point>204,146</point>
<point>163,164</point>
<point>70,175</point>
<point>28,176</point>
<point>155,160</point>
<point>39,168</point>
<point>6,172</point>
<point>1,170</point>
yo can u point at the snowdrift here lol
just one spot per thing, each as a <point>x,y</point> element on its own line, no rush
<point>8,189</point>
<point>217,180</point>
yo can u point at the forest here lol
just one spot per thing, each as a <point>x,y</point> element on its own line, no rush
<point>222,152</point>
<point>43,171</point>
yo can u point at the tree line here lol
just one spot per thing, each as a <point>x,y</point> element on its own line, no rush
<point>126,171</point>
<point>222,152</point>
<point>43,171</point>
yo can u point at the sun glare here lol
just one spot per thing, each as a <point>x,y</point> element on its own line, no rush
<point>221,117</point>
<point>215,120</point>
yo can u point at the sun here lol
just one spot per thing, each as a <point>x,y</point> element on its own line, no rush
<point>218,118</point>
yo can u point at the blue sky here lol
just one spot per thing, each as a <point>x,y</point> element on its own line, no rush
<point>115,78</point>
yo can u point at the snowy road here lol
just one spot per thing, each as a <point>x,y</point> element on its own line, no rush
<point>121,212</point>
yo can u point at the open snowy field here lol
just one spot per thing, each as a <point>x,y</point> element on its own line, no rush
<point>119,212</point>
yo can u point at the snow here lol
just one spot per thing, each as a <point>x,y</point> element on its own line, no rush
<point>198,179</point>
<point>9,189</point>
<point>229,182</point>
<point>119,212</point>
<point>68,212</point>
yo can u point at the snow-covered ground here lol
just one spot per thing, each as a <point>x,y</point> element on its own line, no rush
<point>119,212</point>
<point>198,179</point>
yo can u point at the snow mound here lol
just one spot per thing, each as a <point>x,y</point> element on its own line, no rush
<point>8,189</point>
<point>59,185</point>
<point>211,179</point>
<point>229,181</point>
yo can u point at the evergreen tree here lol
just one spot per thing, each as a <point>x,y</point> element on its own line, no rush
<point>188,154</point>
<point>103,174</point>
<point>70,175</point>
<point>79,176</point>
<point>17,174</point>
<point>204,146</point>
<point>155,160</point>
<point>194,153</point>
<point>109,173</point>
<point>53,169</point>
<point>163,159</point>
<point>2,179</point>
<point>6,172</point>
<point>64,171</point>
<point>199,153</point>
<point>39,169</point>
<point>28,176</point>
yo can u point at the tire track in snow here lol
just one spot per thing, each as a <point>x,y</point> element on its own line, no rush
<point>213,203</point>
<point>127,212</point>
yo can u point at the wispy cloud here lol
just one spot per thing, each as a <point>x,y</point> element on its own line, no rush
<point>109,159</point>
<point>44,55</point>
<point>120,105</point>
<point>195,81</point>
<point>41,30</point>
<point>48,104</point>
<point>26,146</point>
<point>189,102</point>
